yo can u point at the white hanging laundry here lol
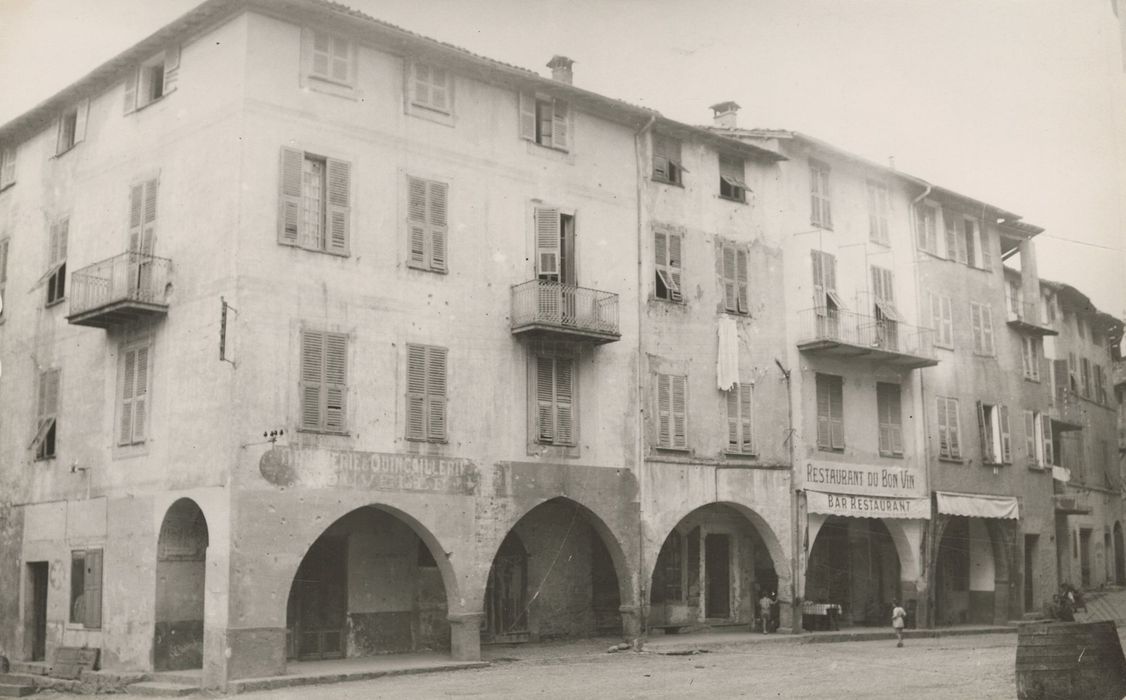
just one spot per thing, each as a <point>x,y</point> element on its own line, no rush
<point>727,358</point>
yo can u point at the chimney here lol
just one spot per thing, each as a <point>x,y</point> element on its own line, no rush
<point>725,115</point>
<point>561,69</point>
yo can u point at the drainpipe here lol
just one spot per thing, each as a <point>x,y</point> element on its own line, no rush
<point>796,549</point>
<point>927,551</point>
<point>639,428</point>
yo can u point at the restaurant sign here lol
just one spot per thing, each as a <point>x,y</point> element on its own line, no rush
<point>853,506</point>
<point>374,471</point>
<point>862,479</point>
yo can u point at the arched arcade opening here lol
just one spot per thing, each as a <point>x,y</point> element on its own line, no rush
<point>970,573</point>
<point>853,564</point>
<point>181,570</point>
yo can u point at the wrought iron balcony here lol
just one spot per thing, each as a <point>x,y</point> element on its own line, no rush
<point>117,290</point>
<point>849,335</point>
<point>1025,317</point>
<point>547,309</point>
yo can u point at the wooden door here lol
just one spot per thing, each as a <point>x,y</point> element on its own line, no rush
<point>717,575</point>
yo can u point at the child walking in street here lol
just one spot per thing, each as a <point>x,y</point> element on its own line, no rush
<point>898,616</point>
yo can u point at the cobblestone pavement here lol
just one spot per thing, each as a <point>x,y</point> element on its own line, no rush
<point>979,667</point>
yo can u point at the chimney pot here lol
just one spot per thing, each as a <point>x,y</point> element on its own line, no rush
<point>725,115</point>
<point>561,69</point>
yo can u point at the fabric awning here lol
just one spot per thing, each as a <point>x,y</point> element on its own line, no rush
<point>858,506</point>
<point>977,505</point>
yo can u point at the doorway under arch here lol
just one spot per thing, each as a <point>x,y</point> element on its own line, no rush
<point>181,570</point>
<point>370,584</point>
<point>969,563</point>
<point>854,563</point>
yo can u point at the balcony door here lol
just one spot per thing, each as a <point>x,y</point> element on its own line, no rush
<point>142,232</point>
<point>555,265</point>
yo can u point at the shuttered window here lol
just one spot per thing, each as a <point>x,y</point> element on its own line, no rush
<point>883,291</point>
<point>890,417</point>
<point>554,399</point>
<point>942,320</point>
<point>86,588</point>
<point>733,279</point>
<point>427,223</point>
<point>949,219</point>
<point>878,208</point>
<point>142,216</point>
<point>431,87</point>
<point>731,178</point>
<point>830,412</point>
<point>56,259</point>
<point>1038,439</point>
<point>967,252</point>
<point>667,247</point>
<point>740,419</point>
<point>315,202</point>
<point>153,79</point>
<point>71,129</point>
<point>993,424</point>
<point>136,367</point>
<point>545,120</point>
<point>7,166</point>
<point>1085,377</point>
<point>1030,357</point>
<point>926,228</point>
<point>825,297</point>
<point>981,321</point>
<point>328,57</point>
<point>666,160</point>
<point>672,411</point>
<point>426,393</point>
<point>324,381</point>
<point>47,415</point>
<point>821,213</point>
<point>4,244</point>
<point>949,428</point>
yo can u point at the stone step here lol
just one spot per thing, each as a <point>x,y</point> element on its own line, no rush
<point>32,668</point>
<point>11,690</point>
<point>159,689</point>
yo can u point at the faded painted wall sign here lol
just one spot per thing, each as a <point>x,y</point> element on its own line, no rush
<point>376,471</point>
<point>862,479</point>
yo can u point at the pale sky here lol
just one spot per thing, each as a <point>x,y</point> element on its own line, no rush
<point>1021,103</point>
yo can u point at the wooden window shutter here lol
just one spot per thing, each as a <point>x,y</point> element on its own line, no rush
<point>131,89</point>
<point>335,382</point>
<point>289,197</point>
<point>136,216</point>
<point>129,376</point>
<point>951,235</point>
<point>818,278</point>
<point>664,410</point>
<point>661,248</point>
<point>140,395</point>
<point>742,298</point>
<point>545,398</point>
<point>987,329</point>
<point>338,214</point>
<point>148,230</point>
<point>943,428</point>
<point>527,108</point>
<point>1030,436</point>
<point>953,428</point>
<point>92,589</point>
<point>82,112</point>
<point>675,265</point>
<point>436,393</point>
<point>986,250</point>
<point>947,306</point>
<point>416,221</point>
<point>1006,438</point>
<point>416,392</point>
<point>547,243</point>
<point>171,68</point>
<point>419,83</point>
<point>560,129</point>
<point>729,289</point>
<point>3,263</point>
<point>824,432</point>
<point>746,417</point>
<point>564,400</point>
<point>836,413</point>
<point>679,411</point>
<point>312,369</point>
<point>975,325</point>
<point>438,215</point>
<point>733,440</point>
<point>984,428</point>
<point>1049,446</point>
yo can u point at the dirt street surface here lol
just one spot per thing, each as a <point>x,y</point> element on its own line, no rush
<point>979,667</point>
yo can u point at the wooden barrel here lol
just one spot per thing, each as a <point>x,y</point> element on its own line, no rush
<point>1070,661</point>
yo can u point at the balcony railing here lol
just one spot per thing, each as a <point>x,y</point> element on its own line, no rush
<point>1026,317</point>
<point>118,290</point>
<point>544,308</point>
<point>845,334</point>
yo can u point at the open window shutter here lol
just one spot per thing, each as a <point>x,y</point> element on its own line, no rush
<point>418,83</point>
<point>312,377</point>
<point>661,248</point>
<point>836,415</point>
<point>943,430</point>
<point>439,225</point>
<point>883,411</point>
<point>560,129</point>
<point>953,428</point>
<point>733,419</point>
<point>131,90</point>
<point>1006,440</point>
<point>416,220</point>
<point>289,197</point>
<point>129,377</point>
<point>746,417</point>
<point>1049,446</point>
<point>987,329</point>
<point>336,381</point>
<point>136,216</point>
<point>82,113</point>
<point>92,595</point>
<point>436,393</point>
<point>824,433</point>
<point>61,240</point>
<point>960,242</point>
<point>818,279</point>
<point>545,398</point>
<point>140,395</point>
<point>729,302</point>
<point>895,420</point>
<point>52,243</point>
<point>951,235</point>
<point>547,243</point>
<point>527,116</point>
<point>986,250</point>
<point>975,326</point>
<point>679,411</point>
<point>742,299</point>
<point>664,410</point>
<point>416,392</point>
<point>1030,436</point>
<point>148,230</point>
<point>675,264</point>
<point>339,181</point>
<point>947,306</point>
<point>171,68</point>
<point>564,401</point>
<point>987,455</point>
